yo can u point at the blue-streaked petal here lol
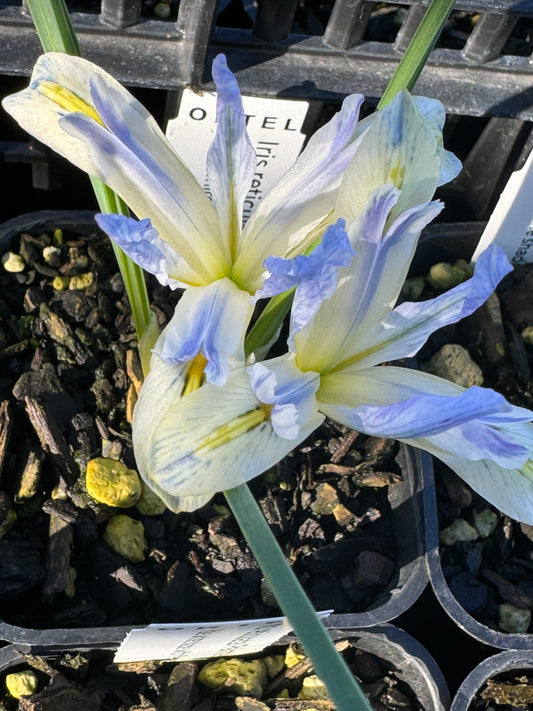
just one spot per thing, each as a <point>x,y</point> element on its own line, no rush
<point>418,408</point>
<point>369,288</point>
<point>141,135</point>
<point>426,415</point>
<point>140,241</point>
<point>291,393</point>
<point>303,197</point>
<point>213,439</point>
<point>433,112</point>
<point>184,229</point>
<point>39,115</point>
<point>315,276</point>
<point>400,147</point>
<point>231,159</point>
<point>210,320</point>
<point>137,162</point>
<point>407,328</point>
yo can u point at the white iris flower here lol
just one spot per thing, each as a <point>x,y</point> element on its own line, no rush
<point>182,236</point>
<point>344,325</point>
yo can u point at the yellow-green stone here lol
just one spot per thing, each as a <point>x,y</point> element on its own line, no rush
<point>22,683</point>
<point>244,678</point>
<point>111,482</point>
<point>126,536</point>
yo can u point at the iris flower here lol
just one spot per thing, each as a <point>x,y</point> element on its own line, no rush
<point>183,237</point>
<point>344,325</point>
<point>217,438</point>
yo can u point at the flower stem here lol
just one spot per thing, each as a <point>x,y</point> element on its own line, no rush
<point>328,664</point>
<point>52,22</point>
<point>419,49</point>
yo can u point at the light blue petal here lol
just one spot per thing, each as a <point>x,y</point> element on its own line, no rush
<point>292,393</point>
<point>399,148</point>
<point>114,112</point>
<point>304,196</point>
<point>408,327</point>
<point>210,320</point>
<point>369,288</point>
<point>140,241</point>
<point>314,276</point>
<point>231,159</point>
<point>427,411</point>
<point>183,217</point>
<point>426,415</point>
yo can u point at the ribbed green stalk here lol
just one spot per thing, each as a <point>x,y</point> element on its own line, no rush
<point>52,22</point>
<point>327,662</point>
<point>419,49</point>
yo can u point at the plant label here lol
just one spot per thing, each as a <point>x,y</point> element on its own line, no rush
<point>193,641</point>
<point>511,223</point>
<point>274,127</point>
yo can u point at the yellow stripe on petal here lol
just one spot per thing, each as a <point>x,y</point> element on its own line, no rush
<point>67,100</point>
<point>235,428</point>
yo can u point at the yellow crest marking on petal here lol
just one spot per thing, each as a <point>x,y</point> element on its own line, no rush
<point>195,374</point>
<point>396,176</point>
<point>237,427</point>
<point>67,100</point>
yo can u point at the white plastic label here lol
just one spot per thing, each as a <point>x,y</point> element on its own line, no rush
<point>274,127</point>
<point>511,223</point>
<point>187,642</point>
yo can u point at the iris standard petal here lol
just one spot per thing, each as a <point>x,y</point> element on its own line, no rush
<point>143,137</point>
<point>140,241</point>
<point>231,159</point>
<point>213,439</point>
<point>210,320</point>
<point>399,148</point>
<point>369,287</point>
<point>303,197</point>
<point>315,275</point>
<point>405,330</point>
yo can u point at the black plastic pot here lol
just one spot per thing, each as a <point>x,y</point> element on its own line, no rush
<point>412,663</point>
<point>449,242</point>
<point>405,501</point>
<point>502,663</point>
<point>483,633</point>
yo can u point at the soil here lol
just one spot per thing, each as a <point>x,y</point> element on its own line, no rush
<point>67,360</point>
<point>91,682</point>
<point>486,572</point>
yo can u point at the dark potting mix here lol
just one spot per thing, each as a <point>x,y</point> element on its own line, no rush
<point>70,375</point>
